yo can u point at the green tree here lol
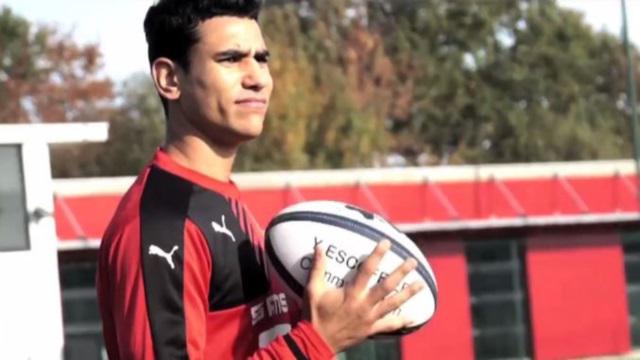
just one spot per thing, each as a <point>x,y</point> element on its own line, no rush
<point>330,101</point>
<point>294,101</point>
<point>503,81</point>
<point>46,77</point>
<point>137,128</point>
<point>432,80</point>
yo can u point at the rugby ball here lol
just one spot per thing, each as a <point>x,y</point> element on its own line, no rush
<point>347,234</point>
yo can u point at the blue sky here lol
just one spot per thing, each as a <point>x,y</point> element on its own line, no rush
<point>117,24</point>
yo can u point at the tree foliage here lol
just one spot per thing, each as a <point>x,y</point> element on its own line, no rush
<point>46,77</point>
<point>328,107</point>
<point>429,81</point>
<point>440,82</point>
<point>504,81</point>
<point>136,129</point>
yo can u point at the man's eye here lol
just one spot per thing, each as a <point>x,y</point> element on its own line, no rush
<point>262,58</point>
<point>232,58</point>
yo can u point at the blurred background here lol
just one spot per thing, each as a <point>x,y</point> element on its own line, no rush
<point>500,134</point>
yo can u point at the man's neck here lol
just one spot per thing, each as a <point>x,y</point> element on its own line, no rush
<point>194,153</point>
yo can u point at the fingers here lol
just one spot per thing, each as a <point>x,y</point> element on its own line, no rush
<point>385,287</point>
<point>369,266</point>
<point>388,324</point>
<point>316,274</point>
<point>394,301</point>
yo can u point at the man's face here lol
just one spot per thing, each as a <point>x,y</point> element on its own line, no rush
<point>226,92</point>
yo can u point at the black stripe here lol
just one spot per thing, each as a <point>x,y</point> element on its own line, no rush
<point>237,277</point>
<point>294,348</point>
<point>281,270</point>
<point>353,226</point>
<point>163,210</point>
<point>234,206</point>
<point>261,256</point>
<point>239,212</point>
<point>245,223</point>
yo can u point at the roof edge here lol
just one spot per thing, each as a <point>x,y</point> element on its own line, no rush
<point>409,175</point>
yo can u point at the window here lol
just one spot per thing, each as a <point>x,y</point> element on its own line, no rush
<point>82,326</point>
<point>631,246</point>
<point>498,299</point>
<point>13,211</point>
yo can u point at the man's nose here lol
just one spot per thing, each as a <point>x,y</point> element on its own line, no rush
<point>256,75</point>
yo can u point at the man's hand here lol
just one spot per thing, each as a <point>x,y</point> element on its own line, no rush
<point>349,315</point>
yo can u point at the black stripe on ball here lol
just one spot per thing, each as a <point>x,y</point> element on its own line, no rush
<point>282,271</point>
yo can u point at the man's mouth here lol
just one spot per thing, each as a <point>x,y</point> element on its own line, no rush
<point>253,103</point>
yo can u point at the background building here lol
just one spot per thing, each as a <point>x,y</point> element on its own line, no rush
<point>536,260</point>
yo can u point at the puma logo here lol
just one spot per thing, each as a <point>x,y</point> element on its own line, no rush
<point>222,229</point>
<point>154,250</point>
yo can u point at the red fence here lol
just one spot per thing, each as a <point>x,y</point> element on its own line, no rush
<point>426,197</point>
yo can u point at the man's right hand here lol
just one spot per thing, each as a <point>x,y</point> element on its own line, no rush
<point>347,316</point>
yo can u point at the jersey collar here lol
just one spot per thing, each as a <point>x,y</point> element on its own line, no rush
<point>162,160</point>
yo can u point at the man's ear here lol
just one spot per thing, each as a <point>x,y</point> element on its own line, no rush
<point>165,76</point>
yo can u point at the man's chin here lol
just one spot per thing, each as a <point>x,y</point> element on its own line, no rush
<point>253,128</point>
<point>245,130</point>
<point>249,134</point>
<point>247,137</point>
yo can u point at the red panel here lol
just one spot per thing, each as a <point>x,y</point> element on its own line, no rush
<point>577,295</point>
<point>337,193</point>
<point>84,216</point>
<point>498,200</point>
<point>448,334</point>
<point>463,197</point>
<point>598,201</point>
<point>406,203</point>
<point>625,194</point>
<point>530,194</point>
<point>264,203</point>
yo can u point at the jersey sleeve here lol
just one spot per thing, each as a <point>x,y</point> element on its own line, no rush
<point>153,291</point>
<point>154,298</point>
<point>197,270</point>
<point>302,343</point>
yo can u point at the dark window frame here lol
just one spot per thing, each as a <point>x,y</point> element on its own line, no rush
<point>498,261</point>
<point>82,323</point>
<point>25,243</point>
<point>631,251</point>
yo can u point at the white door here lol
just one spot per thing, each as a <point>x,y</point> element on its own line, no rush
<point>30,309</point>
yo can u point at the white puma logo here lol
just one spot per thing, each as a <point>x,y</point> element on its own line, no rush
<point>222,229</point>
<point>154,250</point>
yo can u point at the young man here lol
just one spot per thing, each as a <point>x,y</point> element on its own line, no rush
<point>180,270</point>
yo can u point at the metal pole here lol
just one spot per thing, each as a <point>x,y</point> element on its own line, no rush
<point>632,96</point>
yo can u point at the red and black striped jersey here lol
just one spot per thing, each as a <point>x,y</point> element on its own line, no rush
<point>181,276</point>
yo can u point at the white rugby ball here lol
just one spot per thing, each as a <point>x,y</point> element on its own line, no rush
<point>347,234</point>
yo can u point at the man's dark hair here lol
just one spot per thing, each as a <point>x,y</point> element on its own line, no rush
<point>171,26</point>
